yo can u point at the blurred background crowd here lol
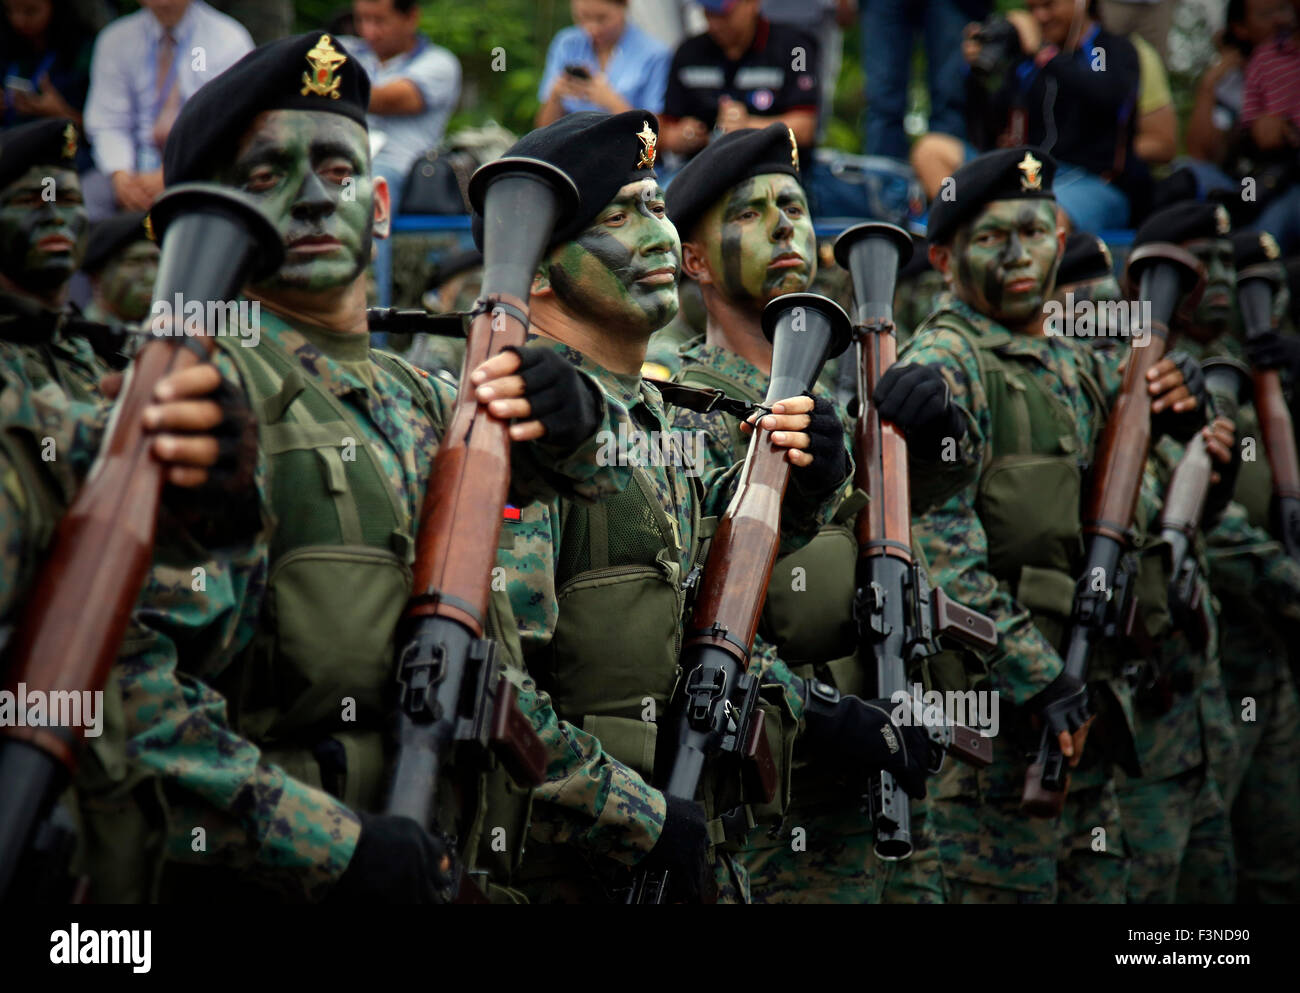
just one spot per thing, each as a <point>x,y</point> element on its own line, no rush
<point>1142,102</point>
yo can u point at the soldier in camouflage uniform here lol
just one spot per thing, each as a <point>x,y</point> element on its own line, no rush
<point>1000,527</point>
<point>122,263</point>
<point>599,593</point>
<point>43,226</point>
<point>257,695</point>
<point>749,239</point>
<point>1180,729</point>
<point>1258,589</point>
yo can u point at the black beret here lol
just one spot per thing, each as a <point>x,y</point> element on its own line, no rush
<point>310,71</point>
<point>1023,173</point>
<point>601,153</point>
<point>453,265</point>
<point>1254,248</point>
<point>51,142</point>
<point>1086,257</point>
<point>1185,221</point>
<point>726,162</point>
<point>110,236</point>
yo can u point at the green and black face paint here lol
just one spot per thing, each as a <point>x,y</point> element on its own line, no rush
<point>126,282</point>
<point>1214,312</point>
<point>43,229</point>
<point>622,270</point>
<point>1005,260</point>
<point>310,172</point>
<point>759,239</point>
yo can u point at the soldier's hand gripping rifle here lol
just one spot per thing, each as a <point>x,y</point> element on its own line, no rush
<point>213,243</point>
<point>715,710</point>
<point>452,688</point>
<point>1256,285</point>
<point>1166,275</point>
<point>899,615</point>
<point>1185,499</point>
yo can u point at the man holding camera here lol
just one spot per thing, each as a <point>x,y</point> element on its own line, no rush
<point>1053,77</point>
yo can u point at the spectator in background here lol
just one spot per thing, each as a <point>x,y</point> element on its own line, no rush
<point>1270,112</point>
<point>888,37</point>
<point>1216,115</point>
<point>414,86</point>
<point>1149,18</point>
<point>266,20</point>
<point>602,63</point>
<point>1156,140</point>
<point>744,72</point>
<point>45,49</point>
<point>145,66</point>
<point>1063,83</point>
<point>825,20</point>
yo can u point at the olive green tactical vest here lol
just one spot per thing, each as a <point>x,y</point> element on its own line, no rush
<point>341,554</point>
<point>1029,502</point>
<point>612,662</point>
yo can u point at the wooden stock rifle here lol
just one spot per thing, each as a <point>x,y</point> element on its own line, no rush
<point>213,243</point>
<point>1165,275</point>
<point>452,687</point>
<point>900,617</point>
<point>715,711</point>
<point>1256,286</point>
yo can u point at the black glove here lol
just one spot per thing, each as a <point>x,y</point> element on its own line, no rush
<point>683,850</point>
<point>224,512</point>
<point>830,464</point>
<point>561,398</point>
<point>1274,350</point>
<point>917,399</point>
<point>1183,426</point>
<point>860,737</point>
<point>1063,704</point>
<point>397,861</point>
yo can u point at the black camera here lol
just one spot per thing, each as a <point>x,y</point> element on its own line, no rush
<point>999,47</point>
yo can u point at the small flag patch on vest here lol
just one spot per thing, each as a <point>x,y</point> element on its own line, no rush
<point>510,513</point>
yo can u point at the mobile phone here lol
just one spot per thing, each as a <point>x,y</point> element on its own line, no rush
<point>19,85</point>
<point>577,71</point>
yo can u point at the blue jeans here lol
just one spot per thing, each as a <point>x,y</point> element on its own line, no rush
<point>889,29</point>
<point>1281,219</point>
<point>1093,204</point>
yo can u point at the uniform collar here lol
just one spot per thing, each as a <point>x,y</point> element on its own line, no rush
<point>627,390</point>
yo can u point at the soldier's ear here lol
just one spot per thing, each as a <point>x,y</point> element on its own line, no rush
<point>383,207</point>
<point>941,258</point>
<point>541,282</point>
<point>696,264</point>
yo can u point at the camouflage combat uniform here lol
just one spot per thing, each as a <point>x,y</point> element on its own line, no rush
<point>257,694</point>
<point>1174,816</point>
<point>34,346</point>
<point>599,600</point>
<point>1258,588</point>
<point>1016,562</point>
<point>831,858</point>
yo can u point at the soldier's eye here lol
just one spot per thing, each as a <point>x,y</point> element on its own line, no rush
<point>615,219</point>
<point>336,171</point>
<point>260,179</point>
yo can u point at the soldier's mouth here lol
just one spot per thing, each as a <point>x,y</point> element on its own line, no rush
<point>56,243</point>
<point>788,260</point>
<point>661,276</point>
<point>314,244</point>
